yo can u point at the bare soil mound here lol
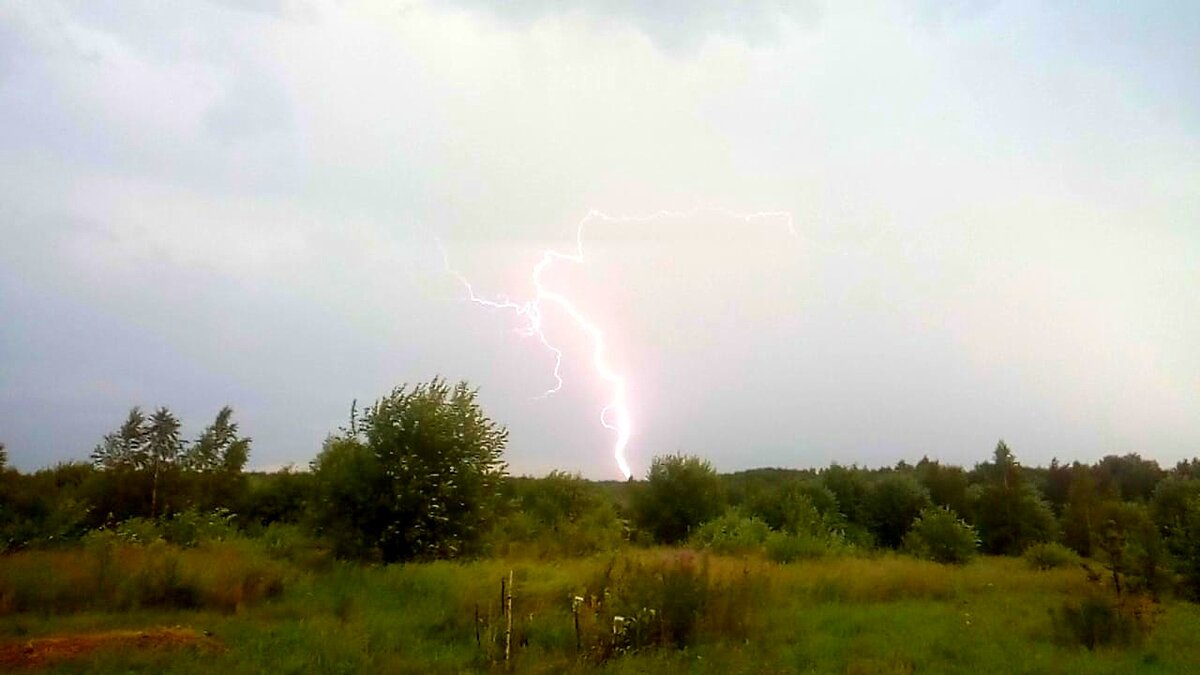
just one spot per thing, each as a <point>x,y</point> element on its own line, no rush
<point>57,648</point>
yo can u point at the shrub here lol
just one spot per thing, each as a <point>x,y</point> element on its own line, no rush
<point>938,534</point>
<point>1048,555</point>
<point>559,515</point>
<point>417,476</point>
<point>893,504</point>
<point>1098,620</point>
<point>731,533</point>
<point>672,601</point>
<point>680,493</point>
<point>786,548</point>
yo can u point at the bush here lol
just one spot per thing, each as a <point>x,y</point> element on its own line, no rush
<point>940,535</point>
<point>1048,555</point>
<point>559,515</point>
<point>1098,620</point>
<point>893,504</point>
<point>786,548</point>
<point>680,493</point>
<point>731,533</point>
<point>418,476</point>
<point>673,601</point>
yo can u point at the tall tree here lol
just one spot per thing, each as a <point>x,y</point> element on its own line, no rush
<point>213,463</point>
<point>126,447</point>
<point>218,448</point>
<point>163,446</point>
<point>1010,514</point>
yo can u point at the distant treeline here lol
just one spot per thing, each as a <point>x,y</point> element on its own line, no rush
<point>420,475</point>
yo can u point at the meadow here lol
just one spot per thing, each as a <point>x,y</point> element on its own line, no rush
<point>278,603</point>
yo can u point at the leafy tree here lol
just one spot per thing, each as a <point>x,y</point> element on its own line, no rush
<point>3,457</point>
<point>681,492</point>
<point>1082,514</point>
<point>418,477</point>
<point>1131,477</point>
<point>278,497</point>
<point>162,449</point>
<point>124,449</point>
<point>1131,548</point>
<point>850,487</point>
<point>561,514</point>
<point>1058,484</point>
<point>214,463</point>
<point>1187,468</point>
<point>1176,511</point>
<point>1010,514</point>
<point>894,503</point>
<point>349,505</point>
<point>938,534</point>
<point>947,485</point>
<point>219,449</point>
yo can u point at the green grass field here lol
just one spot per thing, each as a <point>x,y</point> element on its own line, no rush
<point>888,614</point>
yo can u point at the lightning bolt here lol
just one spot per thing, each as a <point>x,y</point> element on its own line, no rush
<point>615,414</point>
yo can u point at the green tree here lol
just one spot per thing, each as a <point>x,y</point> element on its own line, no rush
<point>1010,514</point>
<point>938,534</point>
<point>125,448</point>
<point>213,463</point>
<point>893,504</point>
<point>1130,477</point>
<point>560,514</point>
<point>425,465</point>
<point>947,485</point>
<point>681,492</point>
<point>1082,513</point>
<point>850,487</point>
<point>162,449</point>
<point>349,503</point>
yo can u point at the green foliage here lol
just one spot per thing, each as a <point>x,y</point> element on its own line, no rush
<point>1010,514</point>
<point>784,548</point>
<point>146,469</point>
<point>559,515</point>
<point>46,508</point>
<point>1049,555</point>
<point>797,506</point>
<point>732,533</point>
<point>419,476</point>
<point>110,574</point>
<point>938,534</point>
<point>674,602</point>
<point>850,488</point>
<point>278,497</point>
<point>947,485</point>
<point>681,492</point>
<point>347,504</point>
<point>1132,549</point>
<point>1099,620</point>
<point>1130,477</point>
<point>893,505</point>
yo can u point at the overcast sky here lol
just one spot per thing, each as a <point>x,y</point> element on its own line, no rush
<point>996,214</point>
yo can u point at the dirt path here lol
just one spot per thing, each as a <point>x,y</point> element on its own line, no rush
<point>53,649</point>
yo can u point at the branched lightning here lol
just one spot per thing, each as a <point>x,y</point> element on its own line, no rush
<point>615,414</point>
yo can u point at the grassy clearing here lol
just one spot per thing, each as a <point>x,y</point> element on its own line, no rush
<point>887,614</point>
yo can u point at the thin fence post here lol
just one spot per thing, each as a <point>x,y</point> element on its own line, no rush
<point>508,611</point>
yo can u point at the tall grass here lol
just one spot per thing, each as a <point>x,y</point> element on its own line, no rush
<point>111,575</point>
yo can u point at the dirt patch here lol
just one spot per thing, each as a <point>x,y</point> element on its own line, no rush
<point>53,649</point>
